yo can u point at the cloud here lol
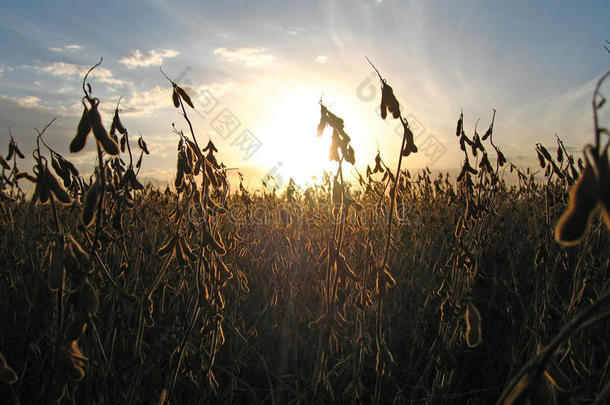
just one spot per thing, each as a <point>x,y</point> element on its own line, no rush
<point>217,89</point>
<point>153,57</point>
<point>65,89</point>
<point>295,30</point>
<point>69,69</point>
<point>143,103</point>
<point>321,59</point>
<point>1,71</point>
<point>72,48</point>
<point>26,101</point>
<point>251,57</point>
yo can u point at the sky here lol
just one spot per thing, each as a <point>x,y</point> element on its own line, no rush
<point>257,70</point>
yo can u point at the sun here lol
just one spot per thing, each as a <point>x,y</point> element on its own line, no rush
<point>291,146</point>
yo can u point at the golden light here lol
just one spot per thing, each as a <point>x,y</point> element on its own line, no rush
<point>291,147</point>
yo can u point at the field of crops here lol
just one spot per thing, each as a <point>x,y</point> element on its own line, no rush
<point>403,288</point>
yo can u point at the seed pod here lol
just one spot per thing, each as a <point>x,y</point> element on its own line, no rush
<point>124,180</point>
<point>84,126</point>
<point>186,249</point>
<point>473,325</point>
<point>168,247</point>
<point>55,275</point>
<point>470,168</point>
<point>603,181</point>
<point>175,97</point>
<point>487,133</point>
<point>133,181</point>
<point>18,152</point>
<point>409,143</point>
<point>584,196</point>
<point>211,175</point>
<point>75,372</point>
<point>58,191</point>
<point>183,164</point>
<point>383,107</point>
<point>117,224</point>
<point>73,268</point>
<point>58,385</point>
<point>87,298</point>
<point>460,124</point>
<point>77,327</point>
<point>545,153</point>
<point>75,362</point>
<point>47,257</point>
<point>179,182</point>
<point>184,96</point>
<point>391,102</point>
<point>5,165</point>
<point>179,253</point>
<point>142,145</point>
<point>81,255</point>
<point>384,281</point>
<point>107,143</point>
<point>11,150</point>
<point>344,270</point>
<point>334,121</point>
<point>501,158</point>
<point>7,374</point>
<point>61,169</point>
<point>216,243</point>
<point>69,166</point>
<point>43,187</point>
<point>91,200</point>
<point>210,146</point>
<point>116,123</point>
<point>333,153</point>
<point>337,193</point>
<point>557,377</point>
<point>484,164</point>
<point>123,141</point>
<point>321,125</point>
<point>214,208</point>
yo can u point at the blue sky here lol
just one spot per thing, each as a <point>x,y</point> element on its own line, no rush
<point>268,63</point>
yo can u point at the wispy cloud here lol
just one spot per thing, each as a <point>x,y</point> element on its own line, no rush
<point>153,57</point>
<point>251,57</point>
<point>69,69</point>
<point>71,48</point>
<point>321,59</point>
<point>25,101</point>
<point>295,30</point>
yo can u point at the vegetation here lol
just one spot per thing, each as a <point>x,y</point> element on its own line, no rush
<point>403,288</point>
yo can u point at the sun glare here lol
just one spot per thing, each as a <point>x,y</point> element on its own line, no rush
<point>292,148</point>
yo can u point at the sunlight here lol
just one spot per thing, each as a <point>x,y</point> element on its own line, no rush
<point>292,148</point>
